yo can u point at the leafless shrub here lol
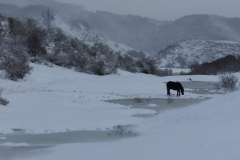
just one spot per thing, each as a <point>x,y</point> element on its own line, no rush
<point>229,82</point>
<point>138,99</point>
<point>119,131</point>
<point>36,42</point>
<point>149,99</point>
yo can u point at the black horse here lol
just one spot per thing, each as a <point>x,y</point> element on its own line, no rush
<point>175,86</point>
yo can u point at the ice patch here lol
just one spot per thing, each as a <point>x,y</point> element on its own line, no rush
<point>9,144</point>
<point>152,105</point>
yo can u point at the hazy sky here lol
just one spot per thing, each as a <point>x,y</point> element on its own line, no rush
<point>164,9</point>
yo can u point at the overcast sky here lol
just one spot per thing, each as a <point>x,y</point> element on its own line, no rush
<point>164,9</point>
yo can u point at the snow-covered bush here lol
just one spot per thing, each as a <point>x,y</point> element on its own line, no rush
<point>229,82</point>
<point>16,67</point>
<point>119,131</point>
<point>126,62</point>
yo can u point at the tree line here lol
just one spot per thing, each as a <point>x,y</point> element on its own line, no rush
<point>226,64</point>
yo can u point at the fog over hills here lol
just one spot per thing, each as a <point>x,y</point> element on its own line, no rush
<point>141,33</point>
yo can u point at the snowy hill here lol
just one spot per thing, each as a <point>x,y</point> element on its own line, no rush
<point>191,51</point>
<point>118,31</point>
<point>137,32</point>
<point>198,27</point>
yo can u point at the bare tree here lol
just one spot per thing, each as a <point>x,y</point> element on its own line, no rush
<point>48,16</point>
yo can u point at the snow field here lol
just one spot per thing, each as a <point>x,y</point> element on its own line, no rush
<point>58,99</point>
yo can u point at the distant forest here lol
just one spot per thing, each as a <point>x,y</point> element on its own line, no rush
<point>226,64</point>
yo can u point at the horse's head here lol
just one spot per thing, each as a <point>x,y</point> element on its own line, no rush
<point>182,91</point>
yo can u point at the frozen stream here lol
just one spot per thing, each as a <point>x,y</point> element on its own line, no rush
<point>163,104</point>
<point>158,104</point>
<point>25,145</point>
<point>20,144</point>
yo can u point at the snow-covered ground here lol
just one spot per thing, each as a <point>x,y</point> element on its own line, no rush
<point>58,99</point>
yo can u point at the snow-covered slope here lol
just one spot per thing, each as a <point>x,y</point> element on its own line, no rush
<point>208,131</point>
<point>58,99</point>
<point>89,36</point>
<point>191,51</point>
<point>53,99</point>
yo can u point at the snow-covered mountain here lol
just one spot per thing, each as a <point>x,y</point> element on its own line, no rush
<point>127,32</point>
<point>70,18</point>
<point>191,51</point>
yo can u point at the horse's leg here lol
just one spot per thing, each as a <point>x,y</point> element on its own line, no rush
<point>168,92</point>
<point>178,93</point>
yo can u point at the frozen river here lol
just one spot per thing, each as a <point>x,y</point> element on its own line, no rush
<point>21,144</point>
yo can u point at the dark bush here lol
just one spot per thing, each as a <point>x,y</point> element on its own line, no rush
<point>16,28</point>
<point>16,67</point>
<point>60,60</point>
<point>98,68</point>
<point>30,24</point>
<point>36,42</point>
<point>119,131</point>
<point>79,61</point>
<point>3,101</point>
